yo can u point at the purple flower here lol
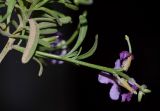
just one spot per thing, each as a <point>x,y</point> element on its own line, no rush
<point>61,52</point>
<point>123,55</point>
<point>127,96</point>
<point>124,61</point>
<point>107,78</point>
<point>115,92</point>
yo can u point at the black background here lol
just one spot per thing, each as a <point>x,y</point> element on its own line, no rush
<point>73,88</point>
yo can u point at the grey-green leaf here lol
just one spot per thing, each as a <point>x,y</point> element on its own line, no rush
<point>65,20</point>
<point>14,23</point>
<point>83,2</point>
<point>50,39</point>
<point>44,43</point>
<point>40,41</point>
<point>48,31</point>
<point>30,1</point>
<point>45,19</point>
<point>41,3</point>
<point>6,49</point>
<point>82,33</point>
<point>2,5</point>
<point>40,66</point>
<point>91,51</point>
<point>78,52</point>
<point>46,25</point>
<point>10,4</point>
<point>71,6</point>
<point>53,13</point>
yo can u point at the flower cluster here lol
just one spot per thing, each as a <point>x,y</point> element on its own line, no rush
<point>61,52</point>
<point>122,63</point>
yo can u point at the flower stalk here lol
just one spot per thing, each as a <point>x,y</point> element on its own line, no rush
<point>77,62</point>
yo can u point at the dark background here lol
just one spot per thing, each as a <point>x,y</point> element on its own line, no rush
<point>73,88</point>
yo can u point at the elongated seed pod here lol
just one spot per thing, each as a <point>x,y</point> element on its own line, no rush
<point>32,41</point>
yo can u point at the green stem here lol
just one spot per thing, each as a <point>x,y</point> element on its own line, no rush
<point>90,65</point>
<point>129,44</point>
<point>23,10</point>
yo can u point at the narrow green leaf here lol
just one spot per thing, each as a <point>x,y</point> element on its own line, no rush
<point>6,48</point>
<point>30,1</point>
<point>10,42</point>
<point>41,4</point>
<point>0,17</point>
<point>1,1</point>
<point>73,36</point>
<point>44,43</point>
<point>34,3</point>
<point>91,51</point>
<point>46,25</point>
<point>64,1</point>
<point>48,31</point>
<point>53,16</point>
<point>46,15</point>
<point>44,19</point>
<point>73,54</point>
<point>50,39</point>
<point>32,6</point>
<point>32,41</point>
<point>82,33</point>
<point>23,9</point>
<point>83,2</point>
<point>2,5</point>
<point>78,52</point>
<point>71,6</point>
<point>14,23</point>
<point>40,41</point>
<point>65,20</point>
<point>53,13</point>
<point>10,4</point>
<point>44,31</point>
<point>40,66</point>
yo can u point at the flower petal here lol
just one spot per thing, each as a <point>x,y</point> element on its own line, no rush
<point>126,97</point>
<point>117,64</point>
<point>114,92</point>
<point>123,55</point>
<point>54,61</point>
<point>104,80</point>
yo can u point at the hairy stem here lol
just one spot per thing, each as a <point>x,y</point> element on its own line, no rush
<point>90,65</point>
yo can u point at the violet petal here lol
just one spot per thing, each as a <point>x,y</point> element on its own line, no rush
<point>114,92</point>
<point>117,64</point>
<point>105,77</point>
<point>123,55</point>
<point>126,97</point>
<point>105,80</point>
